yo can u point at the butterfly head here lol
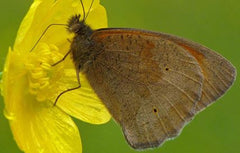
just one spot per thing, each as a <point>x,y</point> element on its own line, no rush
<point>75,25</point>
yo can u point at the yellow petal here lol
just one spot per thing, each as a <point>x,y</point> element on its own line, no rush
<point>82,103</point>
<point>97,18</point>
<point>23,39</point>
<point>40,129</point>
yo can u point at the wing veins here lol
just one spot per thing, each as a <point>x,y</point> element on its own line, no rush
<point>146,129</point>
<point>221,79</point>
<point>118,72</point>
<point>190,98</point>
<point>187,76</point>
<point>174,108</point>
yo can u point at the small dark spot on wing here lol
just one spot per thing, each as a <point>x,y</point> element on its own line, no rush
<point>122,37</point>
<point>155,110</point>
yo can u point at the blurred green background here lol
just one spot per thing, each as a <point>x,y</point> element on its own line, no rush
<point>213,23</point>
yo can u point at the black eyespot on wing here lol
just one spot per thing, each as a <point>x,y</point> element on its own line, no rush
<point>155,110</point>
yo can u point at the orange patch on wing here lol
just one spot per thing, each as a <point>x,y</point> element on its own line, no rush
<point>146,52</point>
<point>199,56</point>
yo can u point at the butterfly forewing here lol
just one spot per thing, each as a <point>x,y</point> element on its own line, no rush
<point>219,73</point>
<point>149,84</point>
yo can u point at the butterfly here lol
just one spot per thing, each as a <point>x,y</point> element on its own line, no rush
<point>152,83</point>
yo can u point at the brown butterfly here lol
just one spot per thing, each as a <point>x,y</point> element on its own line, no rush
<point>152,83</point>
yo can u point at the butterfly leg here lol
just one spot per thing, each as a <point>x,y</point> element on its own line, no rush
<point>71,89</point>
<point>69,40</point>
<point>62,58</point>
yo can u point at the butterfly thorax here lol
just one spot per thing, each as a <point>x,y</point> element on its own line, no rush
<point>82,49</point>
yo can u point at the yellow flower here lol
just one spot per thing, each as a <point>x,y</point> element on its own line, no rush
<point>30,84</point>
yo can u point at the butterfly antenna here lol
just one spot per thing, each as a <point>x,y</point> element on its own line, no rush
<point>84,15</point>
<point>44,33</point>
<point>89,9</point>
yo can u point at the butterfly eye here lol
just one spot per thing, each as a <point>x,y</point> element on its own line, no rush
<point>166,68</point>
<point>75,28</point>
